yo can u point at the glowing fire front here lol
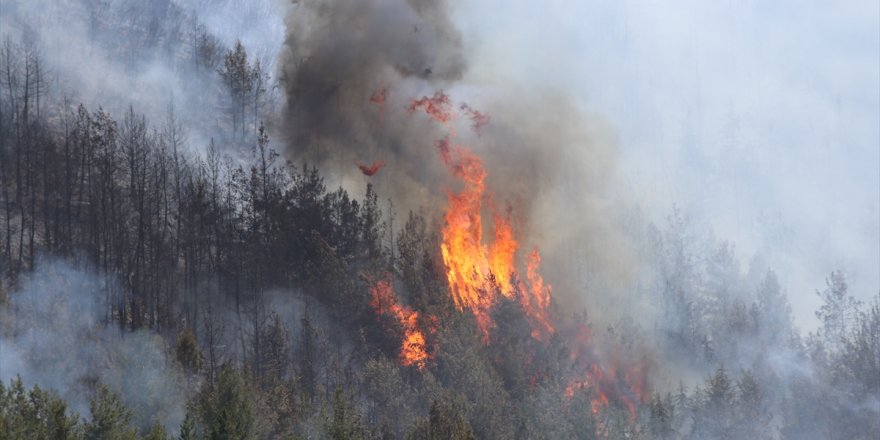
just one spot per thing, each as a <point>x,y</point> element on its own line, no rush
<point>413,348</point>
<point>477,271</point>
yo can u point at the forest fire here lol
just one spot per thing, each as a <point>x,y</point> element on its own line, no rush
<point>481,269</point>
<point>477,271</point>
<point>310,239</point>
<point>605,385</point>
<point>537,303</point>
<point>438,107</point>
<point>413,349</point>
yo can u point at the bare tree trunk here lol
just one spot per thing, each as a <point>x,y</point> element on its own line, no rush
<point>10,78</point>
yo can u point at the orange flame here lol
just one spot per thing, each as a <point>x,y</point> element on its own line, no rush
<point>606,383</point>
<point>476,271</point>
<point>413,349</point>
<point>606,386</point>
<point>466,258</point>
<point>537,304</point>
<point>438,107</point>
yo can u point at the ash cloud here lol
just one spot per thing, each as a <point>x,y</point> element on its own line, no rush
<point>339,54</point>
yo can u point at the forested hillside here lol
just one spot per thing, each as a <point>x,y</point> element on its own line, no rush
<point>181,268</point>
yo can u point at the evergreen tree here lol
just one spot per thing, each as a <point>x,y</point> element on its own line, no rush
<point>157,432</point>
<point>345,423</point>
<point>446,420</point>
<point>187,352</point>
<point>35,414</point>
<point>242,82</point>
<point>661,419</point>
<point>111,420</point>
<point>837,312</point>
<point>188,429</point>
<point>752,415</point>
<point>227,413</point>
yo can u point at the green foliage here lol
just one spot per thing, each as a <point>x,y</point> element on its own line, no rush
<point>157,432</point>
<point>394,400</point>
<point>35,414</point>
<point>345,422</point>
<point>274,358</point>
<point>464,367</point>
<point>186,351</point>
<point>111,420</point>
<point>188,428</point>
<point>512,347</point>
<point>227,412</point>
<point>446,421</point>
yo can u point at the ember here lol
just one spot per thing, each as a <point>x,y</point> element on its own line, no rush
<point>371,169</point>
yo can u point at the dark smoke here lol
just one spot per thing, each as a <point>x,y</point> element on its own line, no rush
<point>350,71</point>
<point>337,56</point>
<point>339,53</point>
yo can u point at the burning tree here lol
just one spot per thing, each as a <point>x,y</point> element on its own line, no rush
<point>413,349</point>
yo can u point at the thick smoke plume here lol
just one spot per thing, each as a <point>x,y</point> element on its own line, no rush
<point>349,69</point>
<point>351,72</point>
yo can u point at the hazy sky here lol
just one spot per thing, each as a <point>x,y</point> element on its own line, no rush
<point>759,119</point>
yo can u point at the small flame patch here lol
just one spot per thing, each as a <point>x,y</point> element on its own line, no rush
<point>413,348</point>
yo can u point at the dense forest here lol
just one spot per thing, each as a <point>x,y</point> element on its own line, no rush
<point>172,272</point>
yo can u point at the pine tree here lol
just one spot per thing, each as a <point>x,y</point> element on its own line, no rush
<point>345,422</point>
<point>157,432</point>
<point>35,414</point>
<point>110,418</point>
<point>239,77</point>
<point>187,351</point>
<point>188,429</point>
<point>228,412</point>
<point>445,421</point>
<point>752,416</point>
<point>838,311</point>
<point>660,423</point>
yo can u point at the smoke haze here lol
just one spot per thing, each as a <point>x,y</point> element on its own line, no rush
<point>54,335</point>
<point>547,159</point>
<point>690,173</point>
